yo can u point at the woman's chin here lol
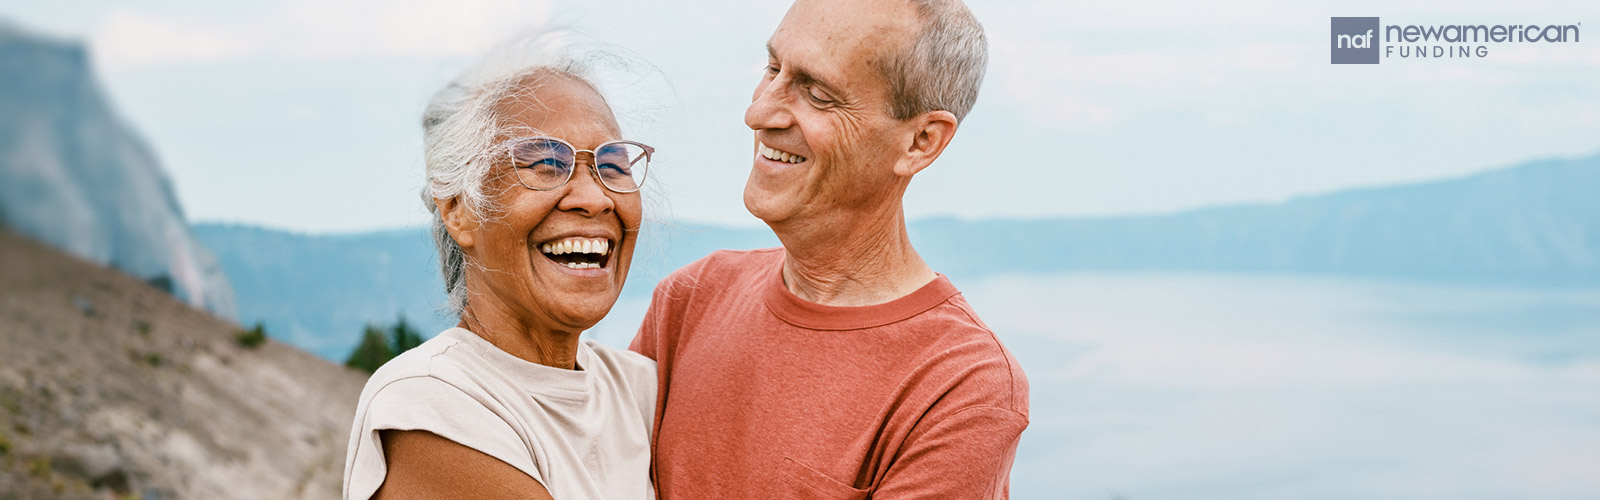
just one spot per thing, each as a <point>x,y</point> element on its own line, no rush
<point>581,315</point>
<point>576,298</point>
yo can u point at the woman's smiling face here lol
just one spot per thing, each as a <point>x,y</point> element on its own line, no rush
<point>555,260</point>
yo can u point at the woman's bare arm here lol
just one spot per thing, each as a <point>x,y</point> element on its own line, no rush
<point>424,465</point>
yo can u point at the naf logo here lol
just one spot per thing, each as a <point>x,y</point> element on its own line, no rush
<point>1355,40</point>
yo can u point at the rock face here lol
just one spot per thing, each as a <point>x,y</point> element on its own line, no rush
<point>75,176</point>
<point>110,387</point>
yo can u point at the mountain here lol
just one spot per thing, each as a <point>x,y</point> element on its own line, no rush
<point>74,175</point>
<point>316,292</point>
<point>1533,224</point>
<point>111,388</point>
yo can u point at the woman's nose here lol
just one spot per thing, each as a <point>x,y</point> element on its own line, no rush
<point>585,193</point>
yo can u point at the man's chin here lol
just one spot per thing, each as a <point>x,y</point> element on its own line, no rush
<point>768,207</point>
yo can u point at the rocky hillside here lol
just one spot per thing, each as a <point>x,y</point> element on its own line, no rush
<point>111,388</point>
<point>73,174</point>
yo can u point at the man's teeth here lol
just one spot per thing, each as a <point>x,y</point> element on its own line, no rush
<point>577,245</point>
<point>773,154</point>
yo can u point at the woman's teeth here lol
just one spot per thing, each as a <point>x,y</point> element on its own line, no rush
<point>578,253</point>
<point>577,245</point>
<point>775,155</point>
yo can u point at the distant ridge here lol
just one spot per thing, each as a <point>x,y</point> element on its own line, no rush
<point>316,292</point>
<point>1535,224</point>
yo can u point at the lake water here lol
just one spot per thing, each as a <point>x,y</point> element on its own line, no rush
<point>1195,386</point>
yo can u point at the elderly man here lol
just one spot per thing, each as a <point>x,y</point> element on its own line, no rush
<point>840,365</point>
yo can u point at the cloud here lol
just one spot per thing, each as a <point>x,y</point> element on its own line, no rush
<point>1082,86</point>
<point>1085,66</point>
<point>134,39</point>
<point>309,30</point>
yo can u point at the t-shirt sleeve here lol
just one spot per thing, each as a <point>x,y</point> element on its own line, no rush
<point>644,342</point>
<point>648,340</point>
<point>663,321</point>
<point>968,454</point>
<point>433,405</point>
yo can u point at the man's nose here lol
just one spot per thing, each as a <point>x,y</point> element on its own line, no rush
<point>768,108</point>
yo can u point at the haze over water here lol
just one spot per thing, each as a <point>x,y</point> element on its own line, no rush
<point>1217,386</point>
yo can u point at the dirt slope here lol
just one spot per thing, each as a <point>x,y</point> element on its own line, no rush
<point>110,388</point>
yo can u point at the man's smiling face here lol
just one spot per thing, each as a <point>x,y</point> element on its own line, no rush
<point>824,136</point>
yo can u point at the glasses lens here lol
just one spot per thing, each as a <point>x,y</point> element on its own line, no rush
<point>542,163</point>
<point>622,165</point>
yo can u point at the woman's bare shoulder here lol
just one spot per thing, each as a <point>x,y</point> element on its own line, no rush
<point>425,465</point>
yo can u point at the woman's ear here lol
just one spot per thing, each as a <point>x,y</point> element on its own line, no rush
<point>458,220</point>
<point>934,130</point>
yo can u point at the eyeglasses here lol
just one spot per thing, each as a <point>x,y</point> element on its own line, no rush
<point>546,163</point>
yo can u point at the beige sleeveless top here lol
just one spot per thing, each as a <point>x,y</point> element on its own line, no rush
<point>583,434</point>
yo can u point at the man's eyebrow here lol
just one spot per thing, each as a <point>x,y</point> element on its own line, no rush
<point>803,77</point>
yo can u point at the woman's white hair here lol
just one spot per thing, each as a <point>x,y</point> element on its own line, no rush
<point>463,121</point>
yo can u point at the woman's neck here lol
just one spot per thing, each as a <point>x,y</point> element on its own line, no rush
<point>493,323</point>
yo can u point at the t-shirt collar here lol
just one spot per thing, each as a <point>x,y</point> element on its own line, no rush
<point>533,377</point>
<point>806,314</point>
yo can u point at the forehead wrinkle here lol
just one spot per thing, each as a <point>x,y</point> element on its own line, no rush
<point>801,75</point>
<point>538,98</point>
<point>858,35</point>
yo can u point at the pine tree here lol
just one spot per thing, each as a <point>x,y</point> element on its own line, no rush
<point>403,336</point>
<point>379,344</point>
<point>372,352</point>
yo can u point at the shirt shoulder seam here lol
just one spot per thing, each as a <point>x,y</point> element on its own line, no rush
<point>1000,349</point>
<point>980,407</point>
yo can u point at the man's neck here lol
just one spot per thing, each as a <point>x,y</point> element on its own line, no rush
<point>850,265</point>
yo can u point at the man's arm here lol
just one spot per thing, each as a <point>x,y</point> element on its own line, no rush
<point>967,454</point>
<point>424,465</point>
<point>644,342</point>
<point>647,341</point>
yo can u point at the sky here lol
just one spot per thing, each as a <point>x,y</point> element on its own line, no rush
<point>303,115</point>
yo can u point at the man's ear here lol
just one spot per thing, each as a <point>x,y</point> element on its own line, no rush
<point>457,220</point>
<point>934,130</point>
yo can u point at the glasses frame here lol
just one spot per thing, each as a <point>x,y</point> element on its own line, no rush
<point>511,154</point>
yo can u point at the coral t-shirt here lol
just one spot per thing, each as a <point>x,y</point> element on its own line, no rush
<point>765,395</point>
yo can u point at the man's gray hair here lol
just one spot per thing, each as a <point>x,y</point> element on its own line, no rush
<point>463,121</point>
<point>942,67</point>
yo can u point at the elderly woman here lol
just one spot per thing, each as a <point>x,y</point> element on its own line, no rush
<point>536,209</point>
